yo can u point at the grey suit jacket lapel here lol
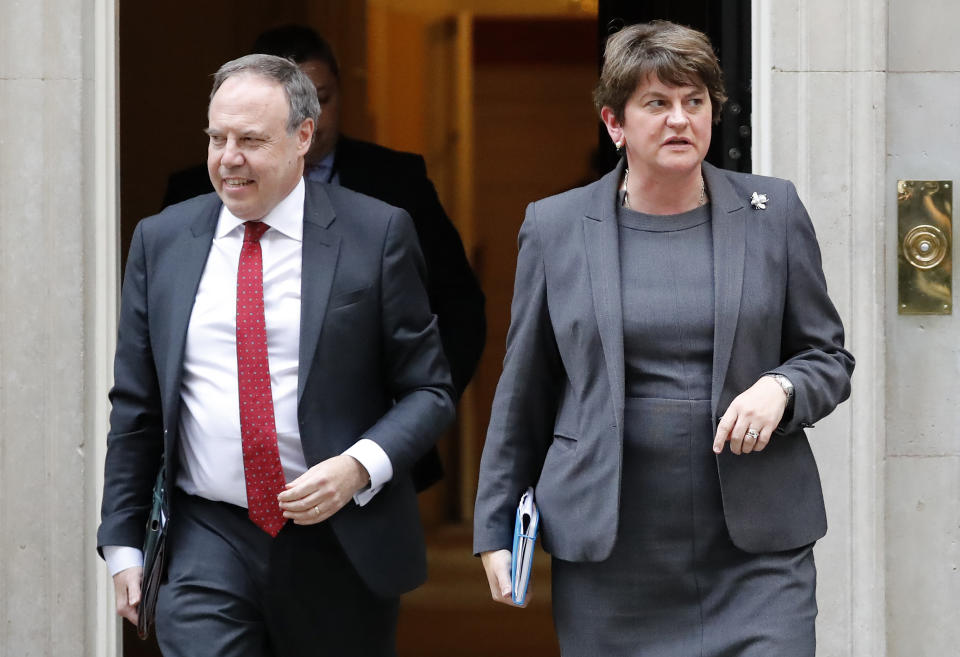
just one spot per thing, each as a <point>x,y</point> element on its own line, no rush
<point>601,235</point>
<point>193,249</point>
<point>321,248</point>
<point>729,245</point>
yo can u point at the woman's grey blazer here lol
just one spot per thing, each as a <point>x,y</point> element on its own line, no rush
<point>557,418</point>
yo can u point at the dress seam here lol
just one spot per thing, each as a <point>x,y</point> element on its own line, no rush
<point>693,534</point>
<point>680,333</point>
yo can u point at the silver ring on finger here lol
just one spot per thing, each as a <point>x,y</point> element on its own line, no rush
<point>316,510</point>
<point>753,433</point>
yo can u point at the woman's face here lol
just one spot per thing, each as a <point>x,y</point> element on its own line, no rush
<point>666,129</point>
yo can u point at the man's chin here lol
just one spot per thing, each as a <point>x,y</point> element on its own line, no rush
<point>240,210</point>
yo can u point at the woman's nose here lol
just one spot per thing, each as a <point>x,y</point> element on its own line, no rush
<point>676,116</point>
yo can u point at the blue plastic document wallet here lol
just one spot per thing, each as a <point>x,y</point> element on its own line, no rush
<point>524,538</point>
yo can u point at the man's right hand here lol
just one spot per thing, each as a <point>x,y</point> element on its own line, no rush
<point>126,585</point>
<point>497,565</point>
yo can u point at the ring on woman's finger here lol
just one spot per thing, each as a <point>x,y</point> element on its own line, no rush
<point>316,510</point>
<point>753,433</point>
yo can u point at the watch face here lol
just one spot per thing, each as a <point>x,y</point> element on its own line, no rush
<point>785,384</point>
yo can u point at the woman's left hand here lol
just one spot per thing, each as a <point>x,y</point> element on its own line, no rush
<point>751,418</point>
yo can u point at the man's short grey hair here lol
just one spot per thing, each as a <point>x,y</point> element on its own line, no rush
<point>301,94</point>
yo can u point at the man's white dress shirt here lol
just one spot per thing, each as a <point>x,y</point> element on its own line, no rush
<point>211,455</point>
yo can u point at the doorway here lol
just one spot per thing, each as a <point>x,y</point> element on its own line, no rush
<point>424,77</point>
<point>498,101</point>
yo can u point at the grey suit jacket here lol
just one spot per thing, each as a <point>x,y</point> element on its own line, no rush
<point>557,418</point>
<point>371,365</point>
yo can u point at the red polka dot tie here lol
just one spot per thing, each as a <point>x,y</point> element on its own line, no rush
<point>258,429</point>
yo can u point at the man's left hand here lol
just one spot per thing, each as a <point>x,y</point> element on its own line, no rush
<point>323,490</point>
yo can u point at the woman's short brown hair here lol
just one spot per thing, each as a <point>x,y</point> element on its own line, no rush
<point>675,54</point>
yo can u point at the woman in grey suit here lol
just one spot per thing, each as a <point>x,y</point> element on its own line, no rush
<point>659,314</point>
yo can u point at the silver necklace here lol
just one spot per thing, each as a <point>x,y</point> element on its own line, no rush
<point>626,194</point>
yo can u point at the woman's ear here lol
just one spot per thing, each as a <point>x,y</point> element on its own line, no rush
<point>614,129</point>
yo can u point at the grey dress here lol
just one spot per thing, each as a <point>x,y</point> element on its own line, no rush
<point>675,585</point>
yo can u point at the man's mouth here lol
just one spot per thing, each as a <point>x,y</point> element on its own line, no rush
<point>234,183</point>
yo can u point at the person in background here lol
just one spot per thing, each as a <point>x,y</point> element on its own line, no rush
<point>394,177</point>
<point>671,338</point>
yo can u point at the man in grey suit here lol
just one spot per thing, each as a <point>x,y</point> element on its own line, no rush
<point>276,347</point>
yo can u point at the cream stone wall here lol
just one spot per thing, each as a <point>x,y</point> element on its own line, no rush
<point>43,552</point>
<point>851,96</point>
<point>923,353</point>
<point>819,119</point>
<point>53,230</point>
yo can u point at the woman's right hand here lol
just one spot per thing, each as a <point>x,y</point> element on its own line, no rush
<point>497,565</point>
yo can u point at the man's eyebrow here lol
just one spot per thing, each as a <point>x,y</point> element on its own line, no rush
<point>213,132</point>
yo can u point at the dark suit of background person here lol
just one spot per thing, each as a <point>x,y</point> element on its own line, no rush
<point>558,413</point>
<point>370,366</point>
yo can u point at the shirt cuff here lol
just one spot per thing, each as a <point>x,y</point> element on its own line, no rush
<point>372,457</point>
<point>121,557</point>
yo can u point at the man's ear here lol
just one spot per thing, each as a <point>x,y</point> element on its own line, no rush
<point>305,136</point>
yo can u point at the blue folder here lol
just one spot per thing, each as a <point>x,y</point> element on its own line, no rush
<point>524,539</point>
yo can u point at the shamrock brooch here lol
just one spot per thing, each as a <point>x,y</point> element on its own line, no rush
<point>759,201</point>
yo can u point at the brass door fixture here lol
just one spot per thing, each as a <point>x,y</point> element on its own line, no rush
<point>924,246</point>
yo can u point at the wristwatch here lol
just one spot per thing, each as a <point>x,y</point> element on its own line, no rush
<point>786,385</point>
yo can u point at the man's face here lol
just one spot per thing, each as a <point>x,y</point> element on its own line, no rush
<point>253,162</point>
<point>328,93</point>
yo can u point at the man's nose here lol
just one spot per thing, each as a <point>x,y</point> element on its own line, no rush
<point>232,155</point>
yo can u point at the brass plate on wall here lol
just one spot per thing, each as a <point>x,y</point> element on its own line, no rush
<point>925,247</point>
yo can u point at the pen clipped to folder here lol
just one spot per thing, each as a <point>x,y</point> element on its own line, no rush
<point>524,539</point>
